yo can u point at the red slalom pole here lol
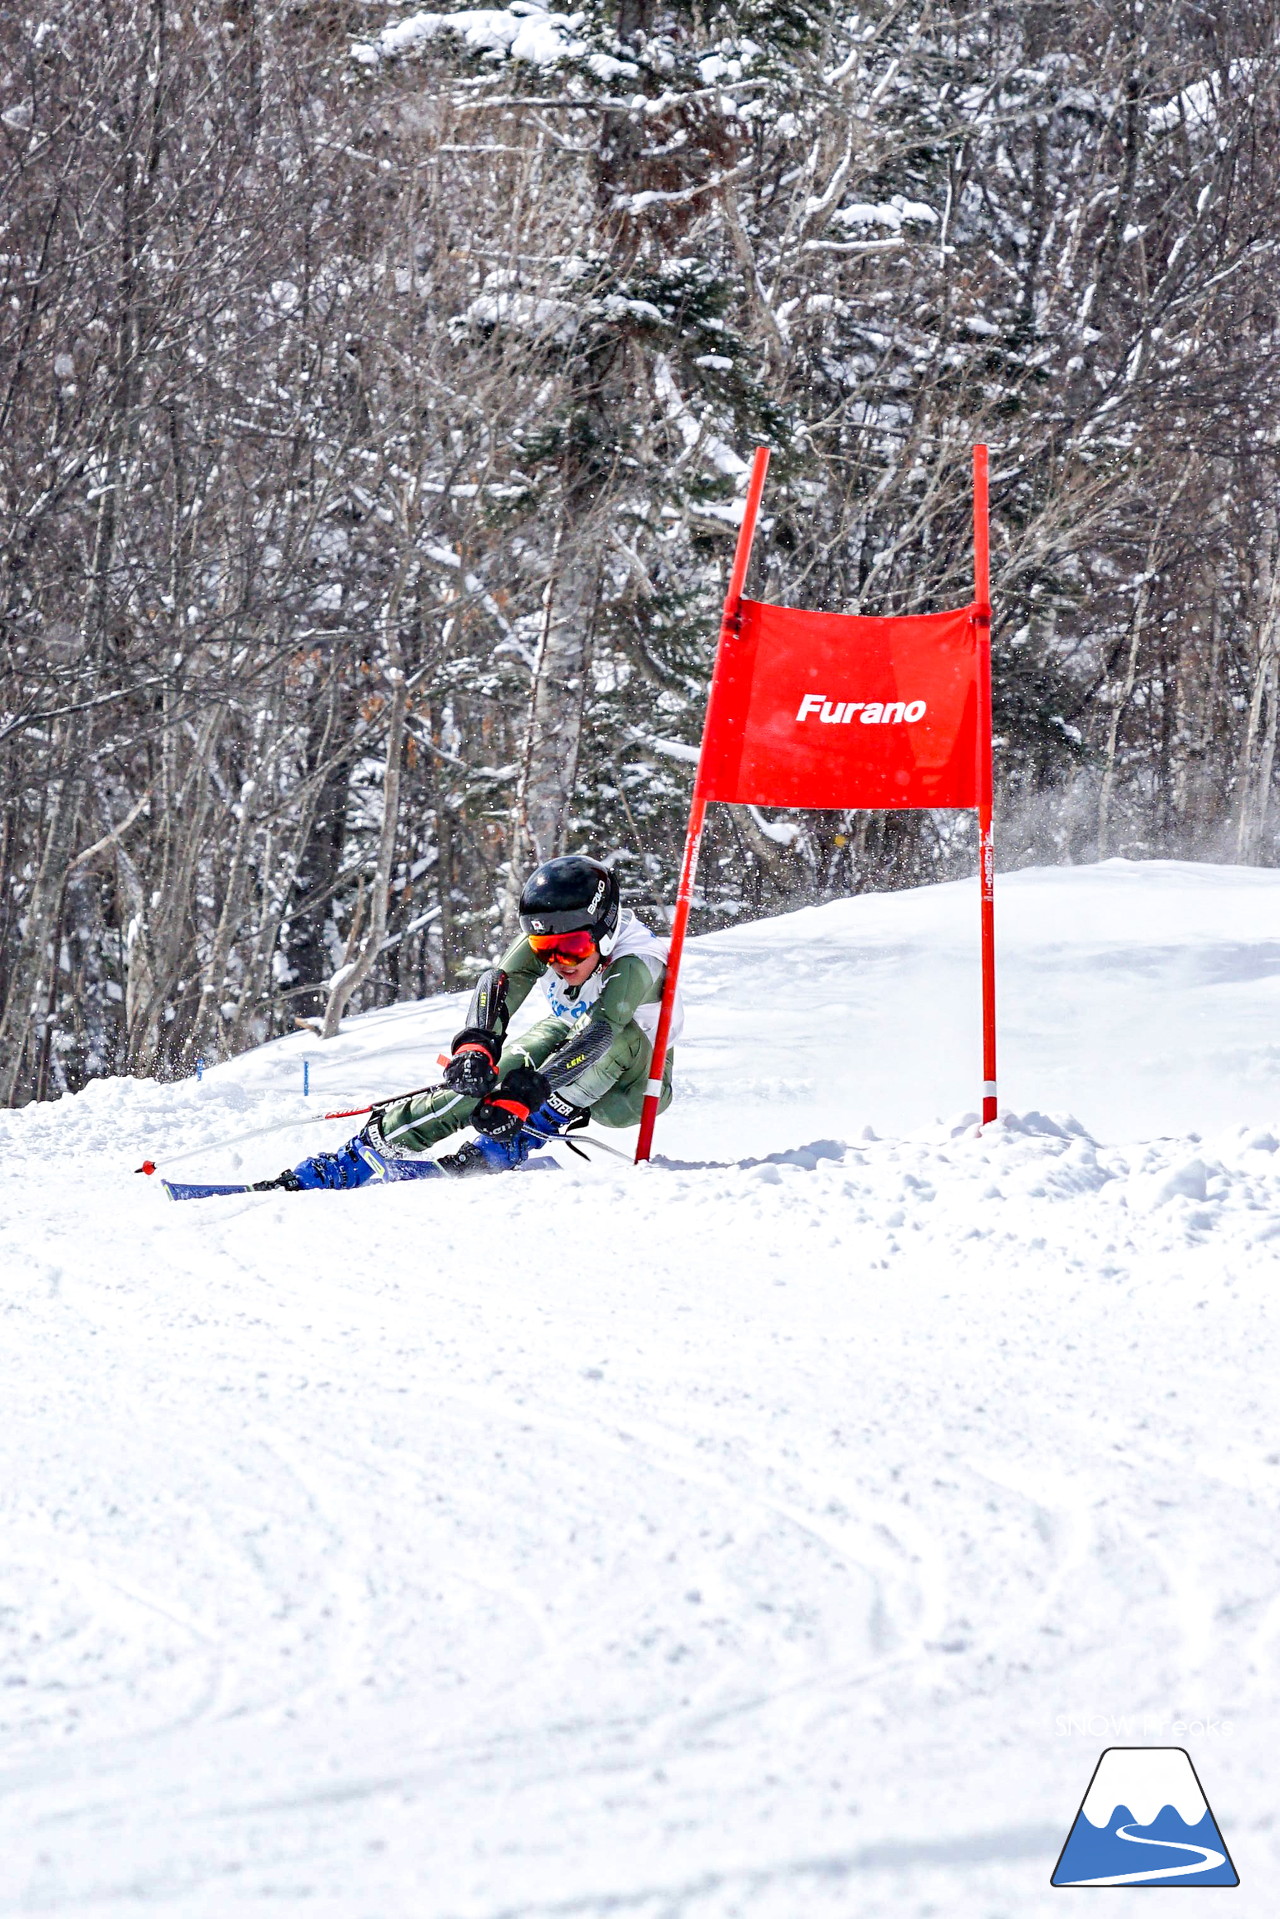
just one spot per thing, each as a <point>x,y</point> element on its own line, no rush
<point>729,624</point>
<point>986,779</point>
<point>680,920</point>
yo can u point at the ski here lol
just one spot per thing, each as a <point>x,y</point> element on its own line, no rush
<point>176,1190</point>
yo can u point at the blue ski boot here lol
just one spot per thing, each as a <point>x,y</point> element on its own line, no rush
<point>361,1161</point>
<point>509,1145</point>
<point>483,1154</point>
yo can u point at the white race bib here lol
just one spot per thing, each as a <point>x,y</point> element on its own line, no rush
<point>633,938</point>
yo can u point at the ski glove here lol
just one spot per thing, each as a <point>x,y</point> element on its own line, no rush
<point>507,1108</point>
<point>555,1117</point>
<point>552,1120</point>
<point>474,1065</point>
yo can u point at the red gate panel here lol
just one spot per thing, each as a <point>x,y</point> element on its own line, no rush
<point>835,710</point>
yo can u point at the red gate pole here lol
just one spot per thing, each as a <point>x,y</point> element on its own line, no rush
<point>986,783</point>
<point>729,623</point>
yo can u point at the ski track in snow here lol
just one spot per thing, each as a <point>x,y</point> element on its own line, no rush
<point>722,1538</point>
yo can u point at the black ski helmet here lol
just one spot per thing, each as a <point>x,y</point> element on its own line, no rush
<point>570,895</point>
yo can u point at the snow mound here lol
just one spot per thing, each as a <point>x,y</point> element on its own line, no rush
<point>752,1533</point>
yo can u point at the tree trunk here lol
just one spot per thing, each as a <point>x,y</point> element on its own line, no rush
<point>160,936</point>
<point>1257,758</point>
<point>141,999</point>
<point>29,982</point>
<point>320,860</point>
<point>208,1019</point>
<point>1106,797</point>
<point>352,973</point>
<point>549,770</point>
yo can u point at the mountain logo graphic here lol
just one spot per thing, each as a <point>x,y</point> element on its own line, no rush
<point>1144,1822</point>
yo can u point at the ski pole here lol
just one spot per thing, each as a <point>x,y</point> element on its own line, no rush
<point>238,1139</point>
<point>576,1146</point>
<point>611,1150</point>
<point>283,1126</point>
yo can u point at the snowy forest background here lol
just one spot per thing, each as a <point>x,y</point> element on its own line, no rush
<point>376,391</point>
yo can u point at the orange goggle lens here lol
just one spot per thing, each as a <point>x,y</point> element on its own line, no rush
<point>562,946</point>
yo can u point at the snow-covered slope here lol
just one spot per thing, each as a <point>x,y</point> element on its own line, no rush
<point>750,1534</point>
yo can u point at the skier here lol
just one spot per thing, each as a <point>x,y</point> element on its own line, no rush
<point>602,971</point>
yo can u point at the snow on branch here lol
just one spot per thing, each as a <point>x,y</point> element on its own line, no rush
<point>894,213</point>
<point>782,832</point>
<point>672,749</point>
<point>696,434</point>
<point>1198,106</point>
<point>853,246</point>
<point>522,31</point>
<point>637,202</point>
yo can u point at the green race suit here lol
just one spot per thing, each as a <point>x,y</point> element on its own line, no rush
<point>591,1049</point>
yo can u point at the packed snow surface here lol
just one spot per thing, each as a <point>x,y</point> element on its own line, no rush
<point>781,1530</point>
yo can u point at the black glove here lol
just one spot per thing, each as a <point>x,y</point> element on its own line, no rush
<point>474,1065</point>
<point>508,1107</point>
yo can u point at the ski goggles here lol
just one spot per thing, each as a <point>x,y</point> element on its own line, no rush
<point>568,948</point>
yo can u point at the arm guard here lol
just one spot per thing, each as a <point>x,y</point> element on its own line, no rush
<point>578,1052</point>
<point>488,1008</point>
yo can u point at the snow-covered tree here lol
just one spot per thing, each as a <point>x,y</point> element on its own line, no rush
<point>378,388</point>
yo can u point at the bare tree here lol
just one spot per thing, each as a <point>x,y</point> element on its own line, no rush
<point>376,404</point>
